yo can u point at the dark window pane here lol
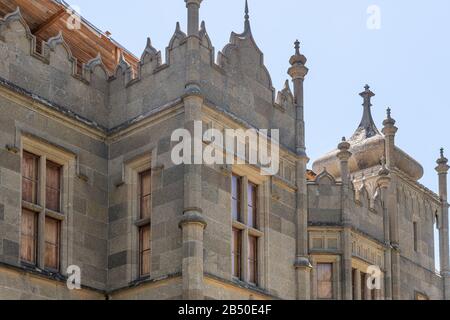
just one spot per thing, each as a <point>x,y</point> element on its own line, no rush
<point>52,240</point>
<point>251,205</point>
<point>236,253</point>
<point>253,260</point>
<point>236,198</point>
<point>325,281</point>
<point>28,240</point>
<point>145,188</point>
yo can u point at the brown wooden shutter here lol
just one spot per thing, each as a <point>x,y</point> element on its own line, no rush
<point>145,187</point>
<point>253,260</point>
<point>144,250</point>
<point>325,281</point>
<point>28,239</point>
<point>30,174</point>
<point>52,240</point>
<point>53,186</point>
<point>236,254</point>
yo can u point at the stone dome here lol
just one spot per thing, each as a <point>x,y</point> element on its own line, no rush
<point>367,146</point>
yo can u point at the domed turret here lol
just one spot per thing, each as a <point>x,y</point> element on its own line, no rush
<point>368,146</point>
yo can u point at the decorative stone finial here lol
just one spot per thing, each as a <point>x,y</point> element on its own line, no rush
<point>442,162</point>
<point>298,61</point>
<point>297,47</point>
<point>247,27</point>
<point>367,127</point>
<point>149,50</point>
<point>389,122</point>
<point>297,58</point>
<point>247,16</point>
<point>344,153</point>
<point>367,95</point>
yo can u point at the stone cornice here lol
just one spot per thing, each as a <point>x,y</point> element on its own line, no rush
<point>416,185</point>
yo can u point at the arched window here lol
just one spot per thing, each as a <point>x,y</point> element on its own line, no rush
<point>437,251</point>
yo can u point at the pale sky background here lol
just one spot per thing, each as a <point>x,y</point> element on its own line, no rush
<point>406,62</point>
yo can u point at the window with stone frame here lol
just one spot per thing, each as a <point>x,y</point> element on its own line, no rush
<point>138,176</point>
<point>246,235</point>
<point>43,168</point>
<point>145,194</point>
<point>325,281</point>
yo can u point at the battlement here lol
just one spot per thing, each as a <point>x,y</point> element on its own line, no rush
<point>112,94</point>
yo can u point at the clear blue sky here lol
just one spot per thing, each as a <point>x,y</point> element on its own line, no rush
<point>406,62</point>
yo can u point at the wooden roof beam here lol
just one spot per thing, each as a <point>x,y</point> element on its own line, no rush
<point>47,23</point>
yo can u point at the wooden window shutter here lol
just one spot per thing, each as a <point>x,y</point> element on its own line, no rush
<point>144,250</point>
<point>52,241</point>
<point>28,241</point>
<point>53,186</point>
<point>30,174</point>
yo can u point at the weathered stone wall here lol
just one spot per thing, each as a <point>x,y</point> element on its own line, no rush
<point>324,203</point>
<point>166,289</point>
<point>51,75</point>
<point>19,285</point>
<point>417,279</point>
<point>88,221</point>
<point>167,203</point>
<point>417,207</point>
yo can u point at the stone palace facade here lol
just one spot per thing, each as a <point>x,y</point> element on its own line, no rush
<point>87,180</point>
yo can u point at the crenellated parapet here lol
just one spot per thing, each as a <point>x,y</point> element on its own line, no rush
<point>239,82</point>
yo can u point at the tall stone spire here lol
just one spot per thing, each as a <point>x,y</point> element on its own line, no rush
<point>367,127</point>
<point>247,27</point>
<point>193,7</point>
